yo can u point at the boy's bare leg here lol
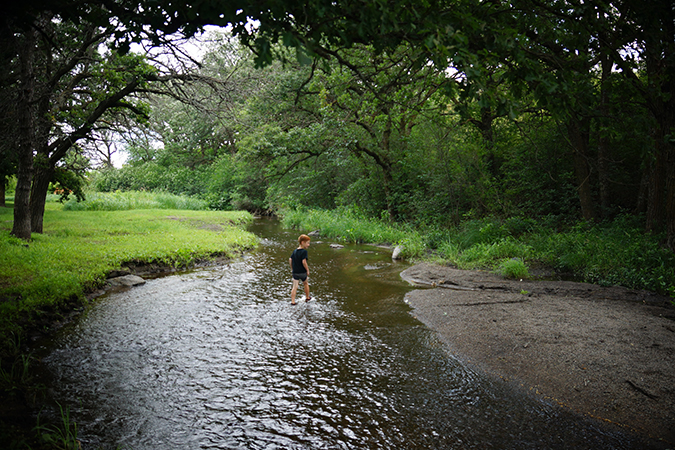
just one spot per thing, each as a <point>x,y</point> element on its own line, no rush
<point>294,291</point>
<point>307,297</point>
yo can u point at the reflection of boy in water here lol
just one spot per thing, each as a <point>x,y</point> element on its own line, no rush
<point>298,262</point>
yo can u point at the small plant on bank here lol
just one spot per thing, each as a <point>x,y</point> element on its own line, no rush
<point>513,268</point>
<point>62,436</point>
<point>17,376</point>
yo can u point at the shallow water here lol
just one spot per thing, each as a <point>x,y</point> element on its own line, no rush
<point>217,358</point>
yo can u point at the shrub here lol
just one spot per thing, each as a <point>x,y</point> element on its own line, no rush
<point>513,268</point>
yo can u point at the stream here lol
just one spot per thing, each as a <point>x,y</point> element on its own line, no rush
<point>218,358</point>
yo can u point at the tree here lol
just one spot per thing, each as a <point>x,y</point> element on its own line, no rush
<point>132,21</point>
<point>84,88</point>
<point>66,88</point>
<point>379,98</point>
<point>583,44</point>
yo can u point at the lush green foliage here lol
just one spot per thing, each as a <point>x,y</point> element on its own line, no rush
<point>79,248</point>
<point>120,201</point>
<point>484,171</point>
<point>613,253</point>
<point>347,224</point>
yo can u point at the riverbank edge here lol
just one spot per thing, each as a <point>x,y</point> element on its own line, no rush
<point>19,417</point>
<point>602,352</point>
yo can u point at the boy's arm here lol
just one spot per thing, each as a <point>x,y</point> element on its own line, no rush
<point>290,262</point>
<point>304,263</point>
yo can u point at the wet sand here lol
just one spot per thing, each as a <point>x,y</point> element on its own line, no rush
<point>606,352</point>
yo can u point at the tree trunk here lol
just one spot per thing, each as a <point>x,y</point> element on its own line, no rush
<point>26,142</point>
<point>603,144</point>
<point>578,132</point>
<point>670,199</point>
<point>3,184</point>
<point>655,207</point>
<point>44,173</point>
<point>666,152</point>
<point>486,131</point>
<point>661,206</point>
<point>641,203</point>
<point>385,164</point>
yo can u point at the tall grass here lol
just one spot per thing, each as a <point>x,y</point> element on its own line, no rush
<point>78,249</point>
<point>613,253</point>
<point>123,201</point>
<point>349,225</point>
<point>61,435</point>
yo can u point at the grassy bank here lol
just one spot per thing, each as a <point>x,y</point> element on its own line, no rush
<point>616,253</point>
<point>78,249</point>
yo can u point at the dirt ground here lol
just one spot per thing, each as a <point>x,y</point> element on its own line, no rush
<point>606,352</point>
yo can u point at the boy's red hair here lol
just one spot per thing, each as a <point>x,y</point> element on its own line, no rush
<point>303,238</point>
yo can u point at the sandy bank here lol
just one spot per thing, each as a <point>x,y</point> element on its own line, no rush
<point>605,352</point>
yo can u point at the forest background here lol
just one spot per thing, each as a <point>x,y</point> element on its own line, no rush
<point>534,130</point>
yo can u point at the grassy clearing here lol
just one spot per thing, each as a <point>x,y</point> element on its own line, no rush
<point>616,253</point>
<point>78,249</point>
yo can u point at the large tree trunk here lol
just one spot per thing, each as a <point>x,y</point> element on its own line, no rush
<point>578,132</point>
<point>670,199</point>
<point>659,97</point>
<point>44,173</point>
<point>486,131</point>
<point>3,184</point>
<point>484,125</point>
<point>26,142</point>
<point>385,164</point>
<point>641,203</point>
<point>666,158</point>
<point>657,182</point>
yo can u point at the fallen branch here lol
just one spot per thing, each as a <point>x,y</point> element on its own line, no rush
<point>442,285</point>
<point>642,390</point>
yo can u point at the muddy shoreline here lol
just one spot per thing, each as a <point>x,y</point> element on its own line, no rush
<point>605,352</point>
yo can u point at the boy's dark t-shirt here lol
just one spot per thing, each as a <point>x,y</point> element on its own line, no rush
<point>298,255</point>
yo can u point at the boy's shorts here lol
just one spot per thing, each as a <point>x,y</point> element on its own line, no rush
<point>300,276</point>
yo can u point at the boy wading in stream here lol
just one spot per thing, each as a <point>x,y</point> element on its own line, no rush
<point>298,262</point>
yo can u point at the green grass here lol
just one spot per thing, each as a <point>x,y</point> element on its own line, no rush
<point>613,253</point>
<point>121,201</point>
<point>78,249</point>
<point>349,226</point>
<point>513,268</point>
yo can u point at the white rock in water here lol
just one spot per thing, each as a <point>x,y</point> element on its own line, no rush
<point>336,246</point>
<point>127,280</point>
<point>397,252</point>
